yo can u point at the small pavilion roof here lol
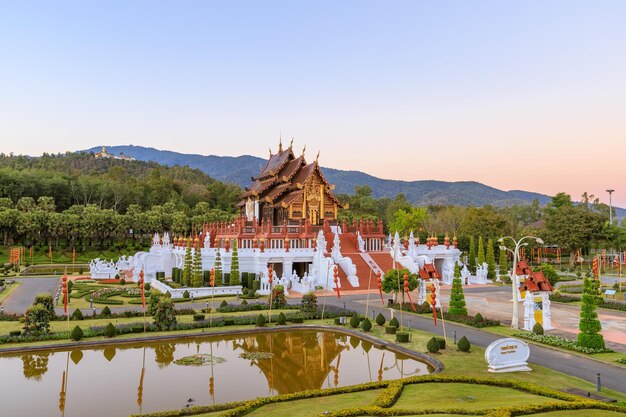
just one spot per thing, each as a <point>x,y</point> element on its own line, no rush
<point>536,282</point>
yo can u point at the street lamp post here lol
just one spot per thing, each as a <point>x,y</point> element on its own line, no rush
<point>515,283</point>
<point>610,191</point>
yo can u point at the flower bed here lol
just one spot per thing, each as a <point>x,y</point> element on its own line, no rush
<point>475,321</point>
<point>560,342</point>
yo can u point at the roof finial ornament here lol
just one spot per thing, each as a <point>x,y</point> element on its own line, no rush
<point>291,144</point>
<point>280,143</point>
<point>317,157</point>
<point>303,150</point>
<point>270,152</point>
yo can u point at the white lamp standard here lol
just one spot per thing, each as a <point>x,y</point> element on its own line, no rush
<point>515,283</point>
<point>610,191</point>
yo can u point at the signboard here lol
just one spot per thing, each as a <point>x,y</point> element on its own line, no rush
<point>610,292</point>
<point>507,355</point>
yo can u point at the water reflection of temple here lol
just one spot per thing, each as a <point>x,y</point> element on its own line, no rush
<point>301,361</point>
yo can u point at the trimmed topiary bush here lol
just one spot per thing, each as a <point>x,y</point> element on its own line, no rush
<point>110,330</point>
<point>538,328</point>
<point>281,319</point>
<point>106,311</point>
<point>223,304</point>
<point>380,319</point>
<point>402,337</point>
<point>390,329</point>
<point>244,303</point>
<point>260,320</point>
<point>464,344</point>
<point>309,303</point>
<point>441,341</point>
<point>185,294</point>
<point>367,325</point>
<point>432,345</point>
<point>77,333</point>
<point>354,321</point>
<point>478,318</point>
<point>457,298</point>
<point>198,317</point>
<point>77,315</point>
<point>589,325</point>
<point>394,322</point>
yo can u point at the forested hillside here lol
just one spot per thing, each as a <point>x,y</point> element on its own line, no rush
<point>77,199</point>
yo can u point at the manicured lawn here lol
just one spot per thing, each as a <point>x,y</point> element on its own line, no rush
<point>7,291</point>
<point>315,406</point>
<point>473,363</point>
<point>466,396</point>
<point>580,413</point>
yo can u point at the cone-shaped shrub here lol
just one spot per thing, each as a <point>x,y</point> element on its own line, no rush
<point>367,325</point>
<point>77,315</point>
<point>106,311</point>
<point>457,298</point>
<point>472,256</point>
<point>504,267</point>
<point>281,319</point>
<point>481,251</point>
<point>219,274</point>
<point>354,321</point>
<point>538,328</point>
<point>244,303</point>
<point>380,319</point>
<point>394,322</point>
<point>464,345</point>
<point>589,325</point>
<point>234,266</point>
<point>196,268</point>
<point>110,330</point>
<point>432,345</point>
<point>478,318</point>
<point>491,260</point>
<point>223,303</point>
<point>185,294</point>
<point>188,266</point>
<point>77,333</point>
<point>260,320</point>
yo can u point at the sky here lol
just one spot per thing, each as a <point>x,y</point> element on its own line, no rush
<point>517,95</point>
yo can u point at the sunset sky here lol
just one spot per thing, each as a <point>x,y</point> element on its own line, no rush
<point>517,95</point>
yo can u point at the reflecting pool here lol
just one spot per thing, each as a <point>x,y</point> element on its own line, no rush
<point>141,378</point>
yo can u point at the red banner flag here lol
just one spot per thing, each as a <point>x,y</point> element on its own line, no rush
<point>141,288</point>
<point>336,279</point>
<point>64,291</point>
<point>380,287</point>
<point>408,291</point>
<point>433,302</point>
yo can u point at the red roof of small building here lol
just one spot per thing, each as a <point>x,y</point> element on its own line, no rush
<point>429,271</point>
<point>536,282</point>
<point>523,268</point>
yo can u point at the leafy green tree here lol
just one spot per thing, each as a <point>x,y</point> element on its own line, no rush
<point>164,315</point>
<point>36,320</point>
<point>550,273</point>
<point>572,227</point>
<point>472,256</point>
<point>481,251</point>
<point>188,266</point>
<point>589,324</point>
<point>196,266</point>
<point>234,266</point>
<point>457,298</point>
<point>503,262</point>
<point>491,260</point>
<point>405,220</point>
<point>390,281</point>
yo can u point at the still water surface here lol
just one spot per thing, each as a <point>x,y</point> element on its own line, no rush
<point>115,382</point>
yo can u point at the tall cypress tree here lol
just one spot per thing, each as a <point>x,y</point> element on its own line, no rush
<point>218,269</point>
<point>491,260</point>
<point>504,267</point>
<point>472,256</point>
<point>187,269</point>
<point>234,266</point>
<point>589,324</point>
<point>481,251</point>
<point>457,298</point>
<point>196,277</point>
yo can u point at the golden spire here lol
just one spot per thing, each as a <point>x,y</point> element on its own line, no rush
<point>280,143</point>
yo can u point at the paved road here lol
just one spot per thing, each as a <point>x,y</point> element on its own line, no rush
<point>24,295</point>
<point>613,377</point>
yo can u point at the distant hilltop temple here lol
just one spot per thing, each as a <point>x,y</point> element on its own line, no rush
<point>104,155</point>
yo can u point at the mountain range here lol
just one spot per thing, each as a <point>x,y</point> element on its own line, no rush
<point>240,169</point>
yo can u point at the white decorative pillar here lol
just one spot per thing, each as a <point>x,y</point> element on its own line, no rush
<point>529,312</point>
<point>547,314</point>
